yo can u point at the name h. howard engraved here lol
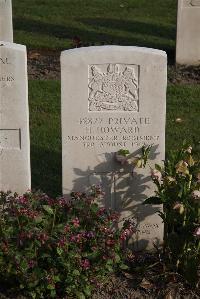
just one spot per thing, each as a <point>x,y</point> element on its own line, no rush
<point>113,87</point>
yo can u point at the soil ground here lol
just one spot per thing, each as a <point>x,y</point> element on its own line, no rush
<point>145,279</point>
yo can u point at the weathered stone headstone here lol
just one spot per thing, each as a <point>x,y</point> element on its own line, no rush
<point>14,119</point>
<point>113,98</point>
<point>6,26</point>
<point>188,32</point>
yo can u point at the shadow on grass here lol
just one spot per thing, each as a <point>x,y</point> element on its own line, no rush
<point>46,168</point>
<point>139,33</point>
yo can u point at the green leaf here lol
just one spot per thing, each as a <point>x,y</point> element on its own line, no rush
<point>124,267</point>
<point>109,268</point>
<point>117,258</point>
<point>48,209</point>
<point>80,295</point>
<point>59,251</point>
<point>38,219</point>
<point>94,208</point>
<point>50,287</point>
<point>88,291</point>
<point>76,273</point>
<point>153,201</point>
<point>158,167</point>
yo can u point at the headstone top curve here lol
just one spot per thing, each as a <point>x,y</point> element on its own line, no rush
<point>13,45</point>
<point>77,51</point>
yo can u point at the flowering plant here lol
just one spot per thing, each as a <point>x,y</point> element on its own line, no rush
<point>178,189</point>
<point>57,247</point>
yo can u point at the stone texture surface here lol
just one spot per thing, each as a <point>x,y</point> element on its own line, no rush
<point>188,32</point>
<point>14,119</point>
<point>114,97</point>
<point>6,26</point>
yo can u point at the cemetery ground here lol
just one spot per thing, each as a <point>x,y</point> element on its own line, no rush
<point>146,278</point>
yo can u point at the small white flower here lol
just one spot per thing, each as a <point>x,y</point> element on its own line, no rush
<point>156,174</point>
<point>197,232</point>
<point>178,120</point>
<point>189,150</point>
<point>196,194</point>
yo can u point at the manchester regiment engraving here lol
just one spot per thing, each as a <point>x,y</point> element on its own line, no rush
<point>113,87</point>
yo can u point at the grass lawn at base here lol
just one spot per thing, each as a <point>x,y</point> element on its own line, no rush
<point>53,24</point>
<point>44,97</point>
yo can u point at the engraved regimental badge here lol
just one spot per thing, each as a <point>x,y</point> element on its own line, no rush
<point>113,87</point>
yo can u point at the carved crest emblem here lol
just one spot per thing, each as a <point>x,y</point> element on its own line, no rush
<point>113,87</point>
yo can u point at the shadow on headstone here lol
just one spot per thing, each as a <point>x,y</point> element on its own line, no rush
<point>125,191</point>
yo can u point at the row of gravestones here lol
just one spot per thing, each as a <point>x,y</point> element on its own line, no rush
<point>112,98</point>
<point>188,29</point>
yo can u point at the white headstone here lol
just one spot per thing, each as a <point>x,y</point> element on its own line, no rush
<point>188,32</point>
<point>113,98</point>
<point>6,26</point>
<point>14,119</point>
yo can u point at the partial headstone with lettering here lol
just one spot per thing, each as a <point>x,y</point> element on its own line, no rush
<point>188,32</point>
<point>6,25</point>
<point>114,98</point>
<point>14,119</point>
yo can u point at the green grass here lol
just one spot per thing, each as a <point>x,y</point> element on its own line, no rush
<point>45,129</point>
<point>182,102</point>
<point>53,24</point>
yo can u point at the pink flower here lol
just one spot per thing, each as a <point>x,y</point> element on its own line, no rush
<point>197,232</point>
<point>22,200</point>
<point>76,222</point>
<point>62,242</point>
<point>43,238</point>
<point>156,174</point>
<point>31,263</point>
<point>198,177</point>
<point>110,242</point>
<point>85,264</point>
<point>67,228</point>
<point>101,211</point>
<point>126,234</point>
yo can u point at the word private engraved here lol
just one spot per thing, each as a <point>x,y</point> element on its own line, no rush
<point>113,87</point>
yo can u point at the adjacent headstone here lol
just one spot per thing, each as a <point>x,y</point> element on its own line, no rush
<point>188,32</point>
<point>113,98</point>
<point>14,119</point>
<point>6,26</point>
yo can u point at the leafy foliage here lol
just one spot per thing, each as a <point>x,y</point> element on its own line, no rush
<point>57,247</point>
<point>178,189</point>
